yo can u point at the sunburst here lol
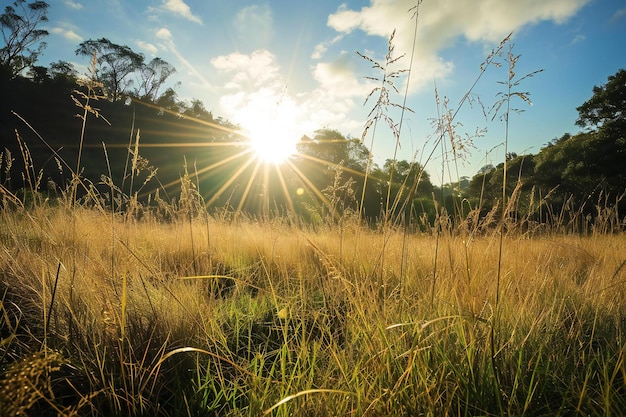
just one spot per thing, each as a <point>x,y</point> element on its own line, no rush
<point>259,166</point>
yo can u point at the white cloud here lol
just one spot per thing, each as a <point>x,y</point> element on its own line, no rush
<point>180,8</point>
<point>345,20</point>
<point>338,79</point>
<point>319,50</point>
<point>164,34</point>
<point>67,34</point>
<point>253,84</point>
<point>147,46</point>
<point>249,71</point>
<point>73,5</point>
<point>322,47</point>
<point>442,22</point>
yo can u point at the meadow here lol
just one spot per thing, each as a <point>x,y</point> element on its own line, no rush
<point>111,306</point>
<point>103,314</point>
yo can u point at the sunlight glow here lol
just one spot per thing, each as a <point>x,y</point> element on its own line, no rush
<point>272,145</point>
<point>271,126</point>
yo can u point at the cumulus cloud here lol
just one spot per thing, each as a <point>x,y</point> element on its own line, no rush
<point>443,22</point>
<point>339,79</point>
<point>253,71</point>
<point>147,46</point>
<point>253,84</point>
<point>180,8</point>
<point>68,34</point>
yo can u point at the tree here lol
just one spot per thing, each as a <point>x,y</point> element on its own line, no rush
<point>606,109</point>
<point>63,71</point>
<point>406,175</point>
<point>169,100</point>
<point>327,145</point>
<point>22,37</point>
<point>38,74</point>
<point>152,76</point>
<point>604,150</point>
<point>329,151</point>
<point>197,110</point>
<point>330,147</point>
<point>114,64</point>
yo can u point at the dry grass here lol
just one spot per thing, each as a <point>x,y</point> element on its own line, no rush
<point>173,312</point>
<point>272,311</point>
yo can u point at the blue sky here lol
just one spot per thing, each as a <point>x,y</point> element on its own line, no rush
<point>292,65</point>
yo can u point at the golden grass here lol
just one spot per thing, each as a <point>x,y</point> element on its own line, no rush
<point>266,311</point>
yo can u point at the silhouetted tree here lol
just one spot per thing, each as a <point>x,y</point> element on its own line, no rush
<point>169,100</point>
<point>197,110</point>
<point>152,76</point>
<point>114,64</point>
<point>20,25</point>
<point>38,74</point>
<point>63,71</point>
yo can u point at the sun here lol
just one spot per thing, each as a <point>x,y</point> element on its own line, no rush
<point>272,144</point>
<point>272,129</point>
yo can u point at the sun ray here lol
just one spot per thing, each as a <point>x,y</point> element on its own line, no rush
<point>279,173</point>
<point>230,181</point>
<point>331,164</point>
<point>173,145</point>
<point>248,186</point>
<point>312,187</point>
<point>211,167</point>
<point>271,144</point>
<point>188,117</point>
<point>266,189</point>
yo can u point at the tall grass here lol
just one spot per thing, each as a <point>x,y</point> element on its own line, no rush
<point>178,313</point>
<point>269,318</point>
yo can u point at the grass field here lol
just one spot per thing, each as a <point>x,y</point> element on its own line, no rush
<point>104,315</point>
<point>130,311</point>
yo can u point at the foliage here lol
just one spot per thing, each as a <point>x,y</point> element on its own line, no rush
<point>578,169</point>
<point>152,77</point>
<point>22,35</point>
<point>606,109</point>
<point>114,64</point>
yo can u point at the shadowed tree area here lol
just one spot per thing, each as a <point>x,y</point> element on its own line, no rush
<point>22,35</point>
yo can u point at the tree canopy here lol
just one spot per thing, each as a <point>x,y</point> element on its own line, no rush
<point>606,109</point>
<point>22,35</point>
<point>114,64</point>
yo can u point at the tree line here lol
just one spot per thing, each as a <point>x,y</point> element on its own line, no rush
<point>573,175</point>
